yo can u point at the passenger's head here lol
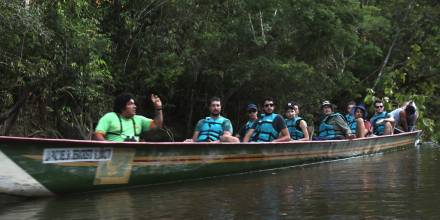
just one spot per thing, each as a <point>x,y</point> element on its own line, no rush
<point>289,110</point>
<point>215,106</point>
<point>124,104</point>
<point>360,112</point>
<point>252,111</point>
<point>378,106</point>
<point>268,105</point>
<point>296,108</point>
<point>350,106</point>
<point>410,109</point>
<point>327,107</point>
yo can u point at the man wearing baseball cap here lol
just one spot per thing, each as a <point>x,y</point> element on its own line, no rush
<point>252,113</point>
<point>271,127</point>
<point>333,126</point>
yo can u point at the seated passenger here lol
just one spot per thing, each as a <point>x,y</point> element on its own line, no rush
<point>123,124</point>
<point>350,116</point>
<point>382,122</point>
<point>405,117</point>
<point>270,127</point>
<point>333,125</point>
<point>296,125</point>
<point>214,128</point>
<point>362,126</point>
<point>252,118</point>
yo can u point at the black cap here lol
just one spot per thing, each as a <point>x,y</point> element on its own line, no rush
<point>251,107</point>
<point>290,105</point>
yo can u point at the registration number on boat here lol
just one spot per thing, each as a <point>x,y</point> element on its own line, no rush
<point>63,155</point>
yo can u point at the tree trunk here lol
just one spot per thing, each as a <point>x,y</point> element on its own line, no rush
<point>9,117</point>
<point>390,49</point>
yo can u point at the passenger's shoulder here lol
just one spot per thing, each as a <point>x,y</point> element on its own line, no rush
<point>141,117</point>
<point>226,120</point>
<point>109,115</point>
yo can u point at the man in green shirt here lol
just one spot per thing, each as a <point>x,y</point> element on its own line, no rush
<point>123,124</point>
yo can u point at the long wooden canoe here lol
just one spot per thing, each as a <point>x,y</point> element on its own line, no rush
<point>44,167</point>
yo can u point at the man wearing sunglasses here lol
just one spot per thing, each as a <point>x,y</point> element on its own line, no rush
<point>381,121</point>
<point>270,127</point>
<point>214,128</point>
<point>252,118</point>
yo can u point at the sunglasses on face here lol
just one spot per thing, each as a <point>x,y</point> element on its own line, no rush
<point>379,106</point>
<point>252,111</point>
<point>268,105</point>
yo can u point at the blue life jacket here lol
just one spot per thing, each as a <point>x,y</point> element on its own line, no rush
<point>294,128</point>
<point>264,131</point>
<point>211,129</point>
<point>246,128</point>
<point>328,131</point>
<point>378,129</point>
<point>351,121</point>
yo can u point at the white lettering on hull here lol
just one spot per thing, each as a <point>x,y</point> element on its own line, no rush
<point>15,181</point>
<point>65,155</point>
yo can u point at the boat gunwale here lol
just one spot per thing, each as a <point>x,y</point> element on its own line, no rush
<point>72,142</point>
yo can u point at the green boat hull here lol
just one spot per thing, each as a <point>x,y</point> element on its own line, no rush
<point>44,167</point>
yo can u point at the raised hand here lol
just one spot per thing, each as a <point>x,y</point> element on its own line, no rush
<point>157,103</point>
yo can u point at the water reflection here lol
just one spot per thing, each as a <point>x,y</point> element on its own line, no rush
<point>399,184</point>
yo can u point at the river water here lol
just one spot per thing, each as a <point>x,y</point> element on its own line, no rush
<point>395,185</point>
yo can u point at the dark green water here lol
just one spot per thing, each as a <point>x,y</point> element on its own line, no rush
<point>395,185</point>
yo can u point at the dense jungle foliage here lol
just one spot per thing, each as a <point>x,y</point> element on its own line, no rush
<point>63,62</point>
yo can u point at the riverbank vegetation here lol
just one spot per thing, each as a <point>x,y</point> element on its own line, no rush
<point>62,62</point>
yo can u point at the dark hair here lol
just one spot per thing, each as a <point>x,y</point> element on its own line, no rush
<point>121,101</point>
<point>378,101</point>
<point>214,99</point>
<point>409,109</point>
<point>270,99</point>
<point>291,105</point>
<point>363,109</point>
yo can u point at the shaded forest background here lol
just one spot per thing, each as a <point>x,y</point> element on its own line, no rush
<point>63,62</point>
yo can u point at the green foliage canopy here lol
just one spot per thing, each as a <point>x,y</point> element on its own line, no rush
<point>63,62</point>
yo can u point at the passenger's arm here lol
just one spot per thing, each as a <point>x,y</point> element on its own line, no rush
<point>403,121</point>
<point>102,127</point>
<point>158,119</point>
<point>343,125</point>
<point>303,126</point>
<point>195,136</point>
<point>389,119</point>
<point>284,136</point>
<point>227,133</point>
<point>99,136</point>
<point>361,131</point>
<point>248,135</point>
<point>227,137</point>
